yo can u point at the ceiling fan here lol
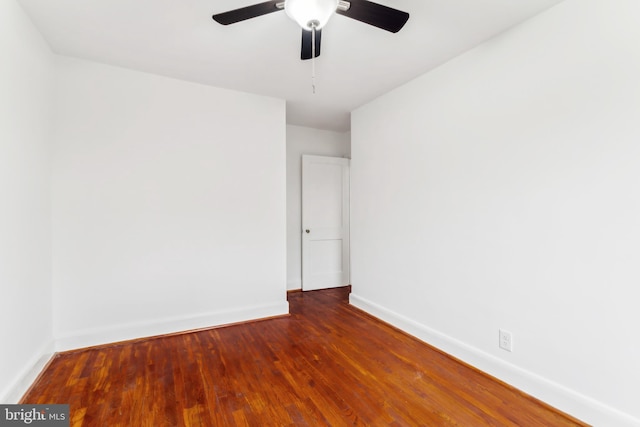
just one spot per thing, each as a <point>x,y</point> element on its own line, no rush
<point>312,15</point>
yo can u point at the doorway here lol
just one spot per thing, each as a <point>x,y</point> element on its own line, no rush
<point>325,222</point>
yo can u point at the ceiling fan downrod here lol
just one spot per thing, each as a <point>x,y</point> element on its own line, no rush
<point>313,25</point>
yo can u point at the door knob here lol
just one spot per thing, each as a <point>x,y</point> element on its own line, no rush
<point>308,231</point>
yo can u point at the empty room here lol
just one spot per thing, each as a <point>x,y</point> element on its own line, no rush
<point>393,212</point>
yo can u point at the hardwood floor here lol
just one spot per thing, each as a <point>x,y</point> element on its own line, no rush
<point>326,364</point>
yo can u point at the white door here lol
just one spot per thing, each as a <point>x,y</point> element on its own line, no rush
<point>325,222</point>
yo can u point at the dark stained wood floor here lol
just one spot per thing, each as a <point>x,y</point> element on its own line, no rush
<point>326,364</point>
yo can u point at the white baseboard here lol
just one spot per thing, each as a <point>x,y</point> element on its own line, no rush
<point>23,379</point>
<point>556,395</point>
<point>293,284</point>
<point>98,336</point>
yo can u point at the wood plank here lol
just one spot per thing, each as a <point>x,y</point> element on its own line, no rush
<point>327,363</point>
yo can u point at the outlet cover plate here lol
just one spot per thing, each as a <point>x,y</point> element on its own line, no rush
<point>506,340</point>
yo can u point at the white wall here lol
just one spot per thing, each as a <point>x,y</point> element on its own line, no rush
<point>25,238</point>
<point>168,205</point>
<point>502,191</point>
<point>303,140</point>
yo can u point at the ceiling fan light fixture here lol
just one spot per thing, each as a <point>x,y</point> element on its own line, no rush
<point>310,13</point>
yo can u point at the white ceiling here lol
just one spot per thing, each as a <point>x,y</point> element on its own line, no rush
<point>178,38</point>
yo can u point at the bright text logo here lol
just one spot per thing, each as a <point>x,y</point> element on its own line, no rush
<point>36,415</point>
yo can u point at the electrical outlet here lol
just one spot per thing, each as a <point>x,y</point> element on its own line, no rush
<point>506,340</point>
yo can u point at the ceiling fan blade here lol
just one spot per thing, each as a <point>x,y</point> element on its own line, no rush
<point>376,14</point>
<point>244,13</point>
<point>307,42</point>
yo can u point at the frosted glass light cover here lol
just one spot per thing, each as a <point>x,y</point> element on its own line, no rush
<point>306,11</point>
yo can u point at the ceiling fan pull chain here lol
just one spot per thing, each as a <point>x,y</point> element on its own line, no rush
<point>313,58</point>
